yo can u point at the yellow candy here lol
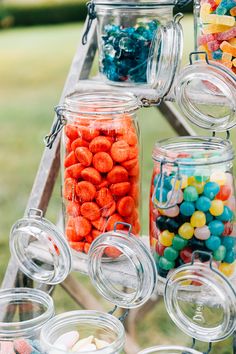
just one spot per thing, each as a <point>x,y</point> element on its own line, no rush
<point>166,238</point>
<point>227,268</point>
<point>217,2</point>
<point>234,62</point>
<point>219,177</point>
<point>213,28</point>
<point>228,48</point>
<point>184,183</point>
<point>232,41</point>
<point>220,20</point>
<point>205,11</point>
<point>203,48</point>
<point>186,231</point>
<point>217,207</point>
<point>198,219</point>
<point>226,57</point>
<point>199,187</point>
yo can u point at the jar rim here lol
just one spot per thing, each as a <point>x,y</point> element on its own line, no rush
<point>84,316</point>
<point>175,150</point>
<point>26,327</point>
<point>101,104</point>
<point>160,348</point>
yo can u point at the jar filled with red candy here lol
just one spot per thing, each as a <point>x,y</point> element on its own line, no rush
<point>100,162</point>
<point>192,203</point>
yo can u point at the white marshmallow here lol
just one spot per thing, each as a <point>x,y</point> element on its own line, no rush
<point>67,339</point>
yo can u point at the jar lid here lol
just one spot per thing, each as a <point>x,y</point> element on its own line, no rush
<point>201,302</point>
<point>165,56</point>
<point>169,349</point>
<point>40,250</point>
<point>135,3</point>
<point>206,94</point>
<point>133,261</point>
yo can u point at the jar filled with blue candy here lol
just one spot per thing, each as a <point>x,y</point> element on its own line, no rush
<point>192,205</point>
<point>127,38</point>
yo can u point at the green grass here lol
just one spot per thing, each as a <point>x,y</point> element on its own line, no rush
<point>34,65</point>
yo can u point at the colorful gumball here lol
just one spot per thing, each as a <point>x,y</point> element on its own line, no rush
<point>230,256</point>
<point>227,269</point>
<point>216,227</point>
<point>224,193</point>
<point>171,254</point>
<point>218,177</point>
<point>211,189</point>
<point>175,197</point>
<point>166,238</point>
<point>187,208</point>
<point>217,207</point>
<point>186,254</point>
<point>160,249</point>
<point>213,243</point>
<point>203,203</point>
<point>186,231</point>
<point>198,219</point>
<point>226,215</point>
<point>179,243</point>
<point>190,194</point>
<point>228,228</point>
<point>202,233</point>
<point>171,212</point>
<point>165,264</point>
<point>220,253</point>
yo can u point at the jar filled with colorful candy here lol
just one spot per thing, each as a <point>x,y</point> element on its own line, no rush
<point>192,203</point>
<point>216,30</point>
<point>126,31</point>
<point>100,159</point>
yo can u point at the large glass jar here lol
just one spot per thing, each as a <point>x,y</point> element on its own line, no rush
<point>100,160</point>
<point>215,30</point>
<point>169,349</point>
<point>23,313</point>
<point>192,203</point>
<point>131,46</point>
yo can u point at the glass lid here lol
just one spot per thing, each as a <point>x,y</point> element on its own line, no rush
<point>206,94</point>
<point>165,56</point>
<point>129,278</point>
<point>40,249</point>
<point>201,302</point>
<point>169,349</point>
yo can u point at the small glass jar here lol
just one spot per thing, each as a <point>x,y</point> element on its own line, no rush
<point>137,41</point>
<point>215,31</point>
<point>101,165</point>
<point>169,349</point>
<point>23,314</point>
<point>192,205</point>
<point>105,333</point>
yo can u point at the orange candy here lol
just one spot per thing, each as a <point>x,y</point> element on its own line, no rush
<point>120,189</point>
<point>112,220</point>
<point>117,174</point>
<point>104,197</point>
<point>77,246</point>
<point>79,143</point>
<point>73,209</point>
<point>120,151</point>
<point>134,193</point>
<point>91,175</point>
<point>70,159</point>
<point>125,206</point>
<point>90,210</point>
<point>109,210</point>
<point>82,226</point>
<point>88,133</point>
<point>129,164</point>
<point>74,171</point>
<point>102,161</point>
<point>84,156</point>
<point>72,235</point>
<point>100,224</point>
<point>69,188</point>
<point>133,152</point>
<point>71,131</point>
<point>99,144</point>
<point>85,191</point>
<point>86,247</point>
<point>112,252</point>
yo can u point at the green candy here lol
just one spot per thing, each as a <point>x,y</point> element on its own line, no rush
<point>220,253</point>
<point>179,243</point>
<point>165,264</point>
<point>190,194</point>
<point>171,254</point>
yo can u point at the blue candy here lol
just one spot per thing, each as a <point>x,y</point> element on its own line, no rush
<point>228,242</point>
<point>161,194</point>
<point>203,203</point>
<point>213,243</point>
<point>227,214</point>
<point>216,227</point>
<point>209,217</point>
<point>187,208</point>
<point>229,257</point>
<point>211,189</point>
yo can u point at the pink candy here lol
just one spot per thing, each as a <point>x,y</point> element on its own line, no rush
<point>213,45</point>
<point>223,36</point>
<point>6,348</point>
<point>22,346</point>
<point>205,39</point>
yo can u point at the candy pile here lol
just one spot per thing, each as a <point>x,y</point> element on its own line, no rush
<point>202,219</point>
<point>20,346</point>
<point>125,50</point>
<point>101,180</point>
<point>70,342</point>
<point>218,37</point>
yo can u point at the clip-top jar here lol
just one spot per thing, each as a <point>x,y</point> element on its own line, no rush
<point>100,159</point>
<point>215,30</point>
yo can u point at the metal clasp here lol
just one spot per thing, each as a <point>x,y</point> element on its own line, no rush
<point>91,16</point>
<point>208,350</point>
<point>34,212</point>
<point>124,224</point>
<point>174,193</point>
<point>122,317</point>
<point>56,128</point>
<point>197,53</point>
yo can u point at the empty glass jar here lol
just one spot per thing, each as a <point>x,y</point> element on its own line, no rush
<point>215,31</point>
<point>100,159</point>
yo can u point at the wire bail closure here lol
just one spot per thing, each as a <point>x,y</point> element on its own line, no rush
<point>194,343</point>
<point>174,194</point>
<point>91,16</point>
<point>56,128</point>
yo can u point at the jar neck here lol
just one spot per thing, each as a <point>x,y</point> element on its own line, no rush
<point>197,151</point>
<point>88,323</point>
<point>34,305</point>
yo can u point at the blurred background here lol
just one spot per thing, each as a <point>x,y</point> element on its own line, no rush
<point>37,42</point>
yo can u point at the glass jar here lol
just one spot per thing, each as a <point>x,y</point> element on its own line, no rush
<point>169,349</point>
<point>26,311</point>
<point>97,332</point>
<point>136,41</point>
<point>101,172</point>
<point>215,31</point>
<point>192,205</point>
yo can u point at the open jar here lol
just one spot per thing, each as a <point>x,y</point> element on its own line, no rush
<point>169,349</point>
<point>215,31</point>
<point>137,41</point>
